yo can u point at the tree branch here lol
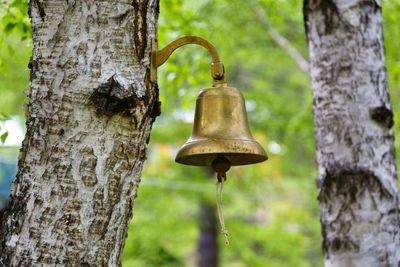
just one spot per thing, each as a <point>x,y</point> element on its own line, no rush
<point>262,18</point>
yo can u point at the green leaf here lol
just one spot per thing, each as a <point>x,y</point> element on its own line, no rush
<point>25,28</point>
<point>9,27</point>
<point>3,137</point>
<point>3,116</point>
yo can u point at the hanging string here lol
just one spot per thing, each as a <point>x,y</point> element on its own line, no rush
<point>221,178</point>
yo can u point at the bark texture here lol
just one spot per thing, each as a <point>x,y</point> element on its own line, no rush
<point>88,123</point>
<point>357,178</point>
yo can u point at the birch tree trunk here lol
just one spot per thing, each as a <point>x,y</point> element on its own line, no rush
<point>357,178</point>
<point>88,123</point>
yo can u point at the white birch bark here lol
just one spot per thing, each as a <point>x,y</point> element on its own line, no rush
<point>88,123</point>
<point>357,178</point>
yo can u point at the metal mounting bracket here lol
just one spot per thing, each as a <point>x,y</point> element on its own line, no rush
<point>158,57</point>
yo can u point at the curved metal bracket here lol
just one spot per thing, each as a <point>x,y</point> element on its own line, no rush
<point>158,57</point>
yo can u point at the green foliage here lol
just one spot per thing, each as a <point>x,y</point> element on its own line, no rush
<point>15,51</point>
<point>15,19</point>
<point>391,11</point>
<point>3,137</point>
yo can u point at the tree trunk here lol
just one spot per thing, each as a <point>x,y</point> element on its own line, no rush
<point>88,123</point>
<point>357,178</point>
<point>208,240</point>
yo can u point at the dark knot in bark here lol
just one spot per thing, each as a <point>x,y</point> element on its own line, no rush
<point>383,116</point>
<point>112,97</point>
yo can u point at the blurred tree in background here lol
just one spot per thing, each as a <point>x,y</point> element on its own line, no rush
<point>270,209</point>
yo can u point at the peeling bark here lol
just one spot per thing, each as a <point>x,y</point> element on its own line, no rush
<point>88,123</point>
<point>353,117</point>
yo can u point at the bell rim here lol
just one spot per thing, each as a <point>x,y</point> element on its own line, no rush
<point>194,153</point>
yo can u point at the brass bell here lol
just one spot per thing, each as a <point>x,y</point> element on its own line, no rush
<point>221,136</point>
<point>220,131</point>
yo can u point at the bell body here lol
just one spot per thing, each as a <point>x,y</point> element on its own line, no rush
<point>220,130</point>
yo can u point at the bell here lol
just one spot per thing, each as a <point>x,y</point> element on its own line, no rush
<point>220,131</point>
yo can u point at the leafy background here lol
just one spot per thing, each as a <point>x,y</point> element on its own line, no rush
<point>271,209</point>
